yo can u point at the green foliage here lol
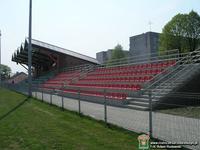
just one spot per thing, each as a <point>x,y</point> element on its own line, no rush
<point>181,32</point>
<point>117,54</point>
<point>5,71</point>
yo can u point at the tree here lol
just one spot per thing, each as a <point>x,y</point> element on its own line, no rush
<point>193,28</point>
<point>181,32</point>
<point>117,53</point>
<point>5,71</point>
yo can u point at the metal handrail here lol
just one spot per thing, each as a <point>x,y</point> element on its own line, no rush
<point>188,62</point>
<point>175,79</point>
<point>171,68</point>
<point>84,71</point>
<point>177,75</point>
<point>54,72</point>
<point>143,60</point>
<point>172,77</point>
<point>74,67</point>
<point>145,55</point>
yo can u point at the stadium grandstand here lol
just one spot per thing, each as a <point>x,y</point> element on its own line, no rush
<point>47,57</point>
<point>125,82</point>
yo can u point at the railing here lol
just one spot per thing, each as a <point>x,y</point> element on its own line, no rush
<point>44,77</point>
<point>74,68</point>
<point>146,58</point>
<point>176,73</point>
<point>170,70</point>
<point>83,72</point>
<point>187,70</point>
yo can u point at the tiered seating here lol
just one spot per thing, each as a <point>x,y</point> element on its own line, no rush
<point>122,78</point>
<point>117,96</point>
<point>142,68</point>
<point>109,86</point>
<point>118,81</point>
<point>61,80</point>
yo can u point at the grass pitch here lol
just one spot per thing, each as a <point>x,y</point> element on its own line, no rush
<point>30,124</point>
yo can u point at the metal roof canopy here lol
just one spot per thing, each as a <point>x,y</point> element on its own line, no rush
<point>64,51</point>
<point>40,58</point>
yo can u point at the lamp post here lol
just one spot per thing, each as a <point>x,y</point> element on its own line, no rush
<point>0,57</point>
<point>30,51</point>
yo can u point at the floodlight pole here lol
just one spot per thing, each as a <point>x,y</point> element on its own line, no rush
<point>0,57</point>
<point>30,51</point>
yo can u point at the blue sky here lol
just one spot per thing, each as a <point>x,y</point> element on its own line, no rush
<point>85,26</point>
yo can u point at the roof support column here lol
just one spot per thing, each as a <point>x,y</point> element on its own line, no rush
<point>0,59</point>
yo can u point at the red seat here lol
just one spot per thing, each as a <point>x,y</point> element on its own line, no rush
<point>127,86</point>
<point>137,87</point>
<point>133,87</point>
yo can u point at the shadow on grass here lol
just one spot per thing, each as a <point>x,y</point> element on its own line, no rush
<point>13,109</point>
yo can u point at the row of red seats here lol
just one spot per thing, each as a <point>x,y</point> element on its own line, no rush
<point>129,73</point>
<point>133,87</point>
<point>119,79</point>
<point>68,74</point>
<point>139,66</point>
<point>54,81</point>
<point>118,96</point>
<point>62,77</point>
<point>70,91</point>
<point>58,79</point>
<point>48,88</point>
<point>52,85</point>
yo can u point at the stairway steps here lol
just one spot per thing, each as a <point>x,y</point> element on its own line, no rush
<point>147,96</point>
<point>140,103</point>
<point>136,107</point>
<point>141,99</point>
<point>184,73</point>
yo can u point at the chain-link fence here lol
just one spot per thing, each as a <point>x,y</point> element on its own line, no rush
<point>174,122</point>
<point>178,119</point>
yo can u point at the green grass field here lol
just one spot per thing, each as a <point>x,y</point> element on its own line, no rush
<point>30,124</point>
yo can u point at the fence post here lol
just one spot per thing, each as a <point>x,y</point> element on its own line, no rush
<point>150,114</point>
<point>42,96</point>
<point>35,93</point>
<point>62,99</point>
<point>79,102</point>
<point>105,107</point>
<point>50,98</point>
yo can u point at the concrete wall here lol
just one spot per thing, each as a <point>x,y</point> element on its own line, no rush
<point>146,43</point>
<point>104,56</point>
<point>101,56</point>
<point>143,44</point>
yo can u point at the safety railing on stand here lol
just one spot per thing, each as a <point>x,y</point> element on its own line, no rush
<point>184,66</point>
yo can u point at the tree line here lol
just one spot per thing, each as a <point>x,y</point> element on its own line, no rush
<point>181,32</point>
